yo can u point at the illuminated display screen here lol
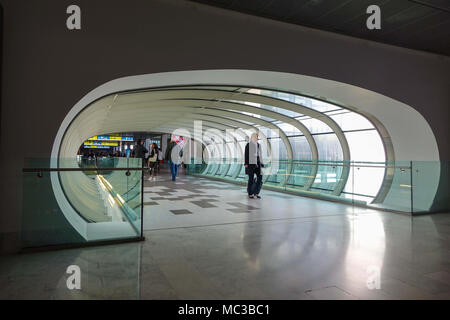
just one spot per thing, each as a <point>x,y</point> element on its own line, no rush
<point>101,143</point>
<point>96,147</point>
<point>114,138</point>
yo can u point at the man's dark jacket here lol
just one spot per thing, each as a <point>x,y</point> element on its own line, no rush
<point>140,151</point>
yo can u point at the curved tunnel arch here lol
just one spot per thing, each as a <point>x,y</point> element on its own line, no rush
<point>194,104</point>
<point>213,94</point>
<point>366,101</point>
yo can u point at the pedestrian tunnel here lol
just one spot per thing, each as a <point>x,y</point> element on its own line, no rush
<point>320,138</point>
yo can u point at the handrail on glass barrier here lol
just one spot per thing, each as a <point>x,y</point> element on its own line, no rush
<point>340,164</point>
<point>81,169</point>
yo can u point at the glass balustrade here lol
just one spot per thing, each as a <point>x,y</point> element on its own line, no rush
<point>78,202</point>
<point>402,186</point>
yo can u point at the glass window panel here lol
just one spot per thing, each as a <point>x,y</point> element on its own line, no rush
<point>322,106</point>
<point>289,129</point>
<point>328,147</point>
<point>269,133</point>
<point>304,101</point>
<point>288,113</point>
<point>242,145</point>
<point>270,108</point>
<point>316,126</point>
<point>301,149</point>
<point>282,96</point>
<point>351,121</point>
<point>231,150</point>
<point>242,174</point>
<point>301,174</point>
<point>232,169</point>
<point>315,104</point>
<point>365,146</point>
<point>278,148</point>
<point>327,177</point>
<point>365,180</point>
<point>264,150</point>
<point>278,168</point>
<point>222,150</point>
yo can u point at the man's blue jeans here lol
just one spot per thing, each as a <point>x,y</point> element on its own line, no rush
<point>173,170</point>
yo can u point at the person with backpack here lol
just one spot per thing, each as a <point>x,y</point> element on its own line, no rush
<point>253,164</point>
<point>174,154</point>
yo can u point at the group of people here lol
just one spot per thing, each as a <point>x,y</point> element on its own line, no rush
<point>174,155</point>
<point>153,160</point>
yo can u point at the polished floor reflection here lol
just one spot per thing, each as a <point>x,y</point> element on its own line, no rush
<point>224,246</point>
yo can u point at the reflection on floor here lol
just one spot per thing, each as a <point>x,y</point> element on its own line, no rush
<point>215,243</point>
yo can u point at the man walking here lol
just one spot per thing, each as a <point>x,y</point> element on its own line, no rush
<point>173,156</point>
<point>253,164</point>
<point>140,151</point>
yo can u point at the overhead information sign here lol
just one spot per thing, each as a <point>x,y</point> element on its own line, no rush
<point>101,143</point>
<point>114,138</point>
<point>96,147</point>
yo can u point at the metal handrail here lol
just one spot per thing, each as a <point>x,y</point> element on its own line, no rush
<point>339,165</point>
<point>362,164</point>
<point>80,169</point>
<point>346,165</point>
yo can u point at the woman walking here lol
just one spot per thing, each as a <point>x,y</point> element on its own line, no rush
<point>152,160</point>
<point>253,164</point>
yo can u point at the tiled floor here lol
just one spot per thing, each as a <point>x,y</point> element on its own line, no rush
<point>225,246</point>
<point>215,202</point>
